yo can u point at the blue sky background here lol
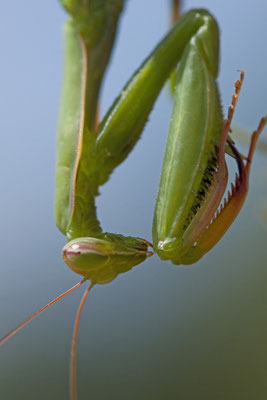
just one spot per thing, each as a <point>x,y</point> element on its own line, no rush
<point>159,331</point>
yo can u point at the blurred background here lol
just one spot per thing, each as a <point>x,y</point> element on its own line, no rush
<point>158,331</point>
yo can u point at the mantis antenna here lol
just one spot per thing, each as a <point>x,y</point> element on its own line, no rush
<point>73,385</point>
<point>29,319</point>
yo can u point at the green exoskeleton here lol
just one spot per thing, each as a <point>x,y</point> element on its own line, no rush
<point>188,218</point>
<point>194,172</point>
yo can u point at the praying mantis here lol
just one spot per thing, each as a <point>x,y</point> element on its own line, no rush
<point>194,173</point>
<point>135,249</point>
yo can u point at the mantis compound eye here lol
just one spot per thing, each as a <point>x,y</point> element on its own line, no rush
<point>84,254</point>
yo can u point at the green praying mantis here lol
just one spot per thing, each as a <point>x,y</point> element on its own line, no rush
<point>194,173</point>
<point>187,223</point>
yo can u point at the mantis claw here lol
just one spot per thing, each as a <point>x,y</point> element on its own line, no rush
<point>231,206</point>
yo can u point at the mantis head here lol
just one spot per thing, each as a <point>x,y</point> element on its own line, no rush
<point>103,257</point>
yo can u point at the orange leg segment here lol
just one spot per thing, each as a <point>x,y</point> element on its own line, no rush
<point>217,226</point>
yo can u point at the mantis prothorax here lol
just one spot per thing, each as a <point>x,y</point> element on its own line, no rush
<point>187,222</point>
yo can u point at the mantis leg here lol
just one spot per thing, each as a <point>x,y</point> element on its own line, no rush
<point>205,236</point>
<point>122,126</point>
<point>231,207</point>
<point>89,38</point>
